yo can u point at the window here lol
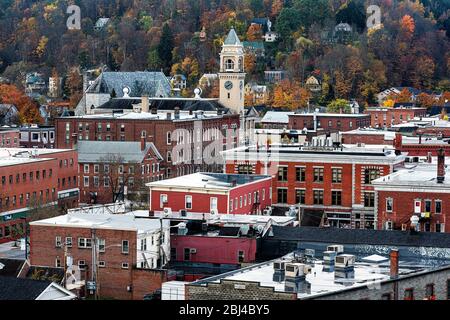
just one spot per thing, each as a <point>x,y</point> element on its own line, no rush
<point>231,205</point>
<point>169,137</point>
<point>169,156</point>
<point>318,174</point>
<point>282,195</point>
<point>429,292</point>
<point>101,245</point>
<point>106,181</point>
<point>101,264</point>
<point>282,173</point>
<point>188,202</point>
<point>318,196</point>
<point>336,198</point>
<point>144,244</point>
<point>96,181</point>
<point>229,64</point>
<point>106,168</point>
<point>96,168</point>
<point>300,174</point>
<point>389,204</point>
<point>409,294</point>
<point>84,243</point>
<point>300,196</point>
<point>213,203</point>
<point>58,262</point>
<point>370,175</point>
<point>241,256</point>
<point>438,206</point>
<point>427,205</point>
<point>124,265</point>
<point>86,168</point>
<point>58,243</point>
<point>69,242</point>
<point>163,199</point>
<point>125,247</point>
<point>120,170</point>
<point>187,254</point>
<point>240,201</point>
<point>369,199</point>
<point>86,181</point>
<point>337,175</point>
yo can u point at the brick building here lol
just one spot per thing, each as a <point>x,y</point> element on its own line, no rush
<point>328,122</point>
<point>332,184</point>
<point>387,117</point>
<point>9,138</point>
<point>421,191</point>
<point>37,136</point>
<point>212,192</point>
<point>189,133</point>
<point>122,254</point>
<point>110,169</point>
<point>34,178</point>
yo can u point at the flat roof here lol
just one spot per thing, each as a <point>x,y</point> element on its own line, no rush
<point>17,156</point>
<point>276,117</point>
<point>102,221</point>
<point>342,115</point>
<point>320,281</point>
<point>217,181</point>
<point>184,115</point>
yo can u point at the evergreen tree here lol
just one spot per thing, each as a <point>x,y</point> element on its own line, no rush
<point>165,47</point>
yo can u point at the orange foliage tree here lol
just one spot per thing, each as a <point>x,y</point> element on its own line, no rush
<point>28,109</point>
<point>291,95</point>
<point>254,32</point>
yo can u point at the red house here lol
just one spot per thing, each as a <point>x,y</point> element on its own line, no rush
<point>212,192</point>
<point>387,117</point>
<point>420,191</point>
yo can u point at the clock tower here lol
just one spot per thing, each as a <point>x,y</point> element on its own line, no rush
<point>232,75</point>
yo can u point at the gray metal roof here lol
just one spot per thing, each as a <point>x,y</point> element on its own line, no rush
<point>140,83</point>
<point>130,151</point>
<point>232,38</point>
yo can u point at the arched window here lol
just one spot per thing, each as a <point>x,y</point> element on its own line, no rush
<point>229,64</point>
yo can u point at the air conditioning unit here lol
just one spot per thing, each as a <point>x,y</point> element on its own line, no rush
<point>295,270</point>
<point>279,266</point>
<point>183,213</point>
<point>214,212</point>
<point>167,211</point>
<point>329,257</point>
<point>193,250</point>
<point>310,253</point>
<point>345,261</point>
<point>338,248</point>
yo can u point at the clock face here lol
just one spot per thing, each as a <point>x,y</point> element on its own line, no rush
<point>228,85</point>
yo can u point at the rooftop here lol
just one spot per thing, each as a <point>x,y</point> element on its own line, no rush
<point>424,175</point>
<point>102,221</point>
<point>232,39</point>
<point>277,117</point>
<point>216,181</point>
<point>126,151</point>
<point>340,115</point>
<point>319,281</point>
<point>15,156</point>
<point>184,116</point>
<point>26,289</point>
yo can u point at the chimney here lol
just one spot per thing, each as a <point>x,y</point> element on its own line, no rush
<point>398,141</point>
<point>394,263</point>
<point>143,142</point>
<point>441,166</point>
<point>144,104</point>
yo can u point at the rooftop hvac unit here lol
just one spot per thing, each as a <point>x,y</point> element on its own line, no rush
<point>295,270</point>
<point>345,261</point>
<point>167,211</point>
<point>183,213</point>
<point>279,266</point>
<point>338,248</point>
<point>329,256</point>
<point>310,253</point>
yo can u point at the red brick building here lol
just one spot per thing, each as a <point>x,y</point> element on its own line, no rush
<point>387,117</point>
<point>328,122</point>
<point>421,191</point>
<point>333,184</point>
<point>38,136</point>
<point>207,192</point>
<point>191,132</point>
<point>9,138</point>
<point>34,178</point>
<point>122,254</point>
<point>110,169</point>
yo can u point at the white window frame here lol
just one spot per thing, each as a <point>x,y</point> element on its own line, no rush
<point>161,200</point>
<point>128,246</point>
<point>392,204</point>
<point>213,203</point>
<point>86,168</point>
<point>186,202</point>
<point>58,242</point>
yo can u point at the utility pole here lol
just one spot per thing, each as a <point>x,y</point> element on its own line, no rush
<point>94,263</point>
<point>65,265</point>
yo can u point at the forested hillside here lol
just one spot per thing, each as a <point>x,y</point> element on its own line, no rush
<point>410,48</point>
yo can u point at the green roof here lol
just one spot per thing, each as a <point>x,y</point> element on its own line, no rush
<point>254,44</point>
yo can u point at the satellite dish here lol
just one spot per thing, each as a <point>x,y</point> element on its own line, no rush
<point>197,93</point>
<point>126,92</point>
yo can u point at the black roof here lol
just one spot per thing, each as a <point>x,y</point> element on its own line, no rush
<point>21,289</point>
<point>10,267</point>
<point>434,110</point>
<point>167,104</point>
<point>229,231</point>
<point>361,236</point>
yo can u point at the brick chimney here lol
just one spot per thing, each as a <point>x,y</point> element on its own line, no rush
<point>394,263</point>
<point>441,166</point>
<point>143,142</point>
<point>398,141</point>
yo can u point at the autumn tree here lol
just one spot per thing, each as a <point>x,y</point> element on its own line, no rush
<point>254,32</point>
<point>291,95</point>
<point>339,106</point>
<point>28,109</point>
